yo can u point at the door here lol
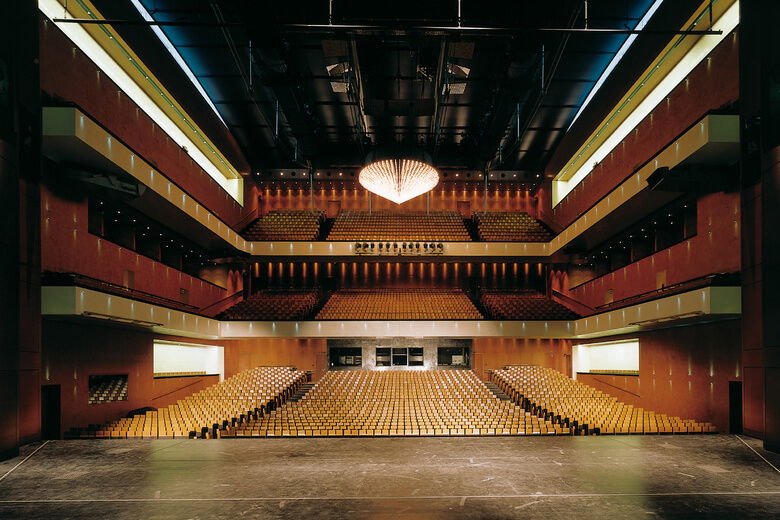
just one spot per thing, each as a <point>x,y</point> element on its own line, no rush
<point>50,412</point>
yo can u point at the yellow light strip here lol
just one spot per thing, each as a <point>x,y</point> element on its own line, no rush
<point>115,58</point>
<point>672,66</point>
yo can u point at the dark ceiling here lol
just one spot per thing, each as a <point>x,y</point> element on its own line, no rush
<point>296,92</point>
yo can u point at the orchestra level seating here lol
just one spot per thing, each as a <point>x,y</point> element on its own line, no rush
<point>207,413</point>
<point>397,403</point>
<point>523,305</point>
<point>399,304</point>
<point>286,225</point>
<point>552,395</point>
<point>507,226</point>
<point>271,304</point>
<point>384,225</point>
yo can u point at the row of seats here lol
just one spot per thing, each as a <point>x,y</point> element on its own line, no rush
<point>384,225</point>
<point>272,304</point>
<point>399,304</point>
<point>523,305</point>
<point>108,389</point>
<point>493,226</point>
<point>398,403</point>
<point>550,394</point>
<point>206,414</point>
<point>286,225</point>
<point>180,374</point>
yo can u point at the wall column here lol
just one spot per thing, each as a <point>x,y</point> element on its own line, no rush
<point>20,157</point>
<point>760,167</point>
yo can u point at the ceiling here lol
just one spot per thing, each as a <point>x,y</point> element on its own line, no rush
<point>296,92</point>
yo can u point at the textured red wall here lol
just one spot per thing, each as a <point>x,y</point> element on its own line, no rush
<point>74,351</point>
<point>495,353</point>
<point>714,249</point>
<point>711,85</point>
<point>68,75</point>
<point>683,371</point>
<point>295,195</point>
<point>67,246</point>
<point>303,354</point>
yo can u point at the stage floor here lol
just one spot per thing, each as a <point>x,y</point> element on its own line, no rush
<point>686,476</point>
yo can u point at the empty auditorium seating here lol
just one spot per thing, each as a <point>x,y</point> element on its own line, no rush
<point>271,304</point>
<point>286,225</point>
<point>107,389</point>
<point>204,414</point>
<point>398,403</point>
<point>510,227</point>
<point>399,304</point>
<point>384,225</point>
<point>523,305</point>
<point>552,395</point>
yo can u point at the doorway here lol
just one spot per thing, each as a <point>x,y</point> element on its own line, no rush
<point>50,412</point>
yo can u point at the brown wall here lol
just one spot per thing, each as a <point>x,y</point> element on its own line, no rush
<point>495,353</point>
<point>295,195</point>
<point>303,354</point>
<point>683,371</point>
<point>714,249</point>
<point>74,351</point>
<point>67,246</point>
<point>711,85</point>
<point>67,75</point>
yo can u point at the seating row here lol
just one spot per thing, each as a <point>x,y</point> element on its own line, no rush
<point>286,225</point>
<point>273,304</point>
<point>399,304</point>
<point>398,403</point>
<point>549,394</point>
<point>205,414</point>
<point>384,225</point>
<point>510,227</point>
<point>513,305</point>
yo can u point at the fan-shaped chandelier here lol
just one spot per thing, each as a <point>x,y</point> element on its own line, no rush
<point>398,179</point>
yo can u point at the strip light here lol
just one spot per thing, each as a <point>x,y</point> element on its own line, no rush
<point>615,59</point>
<point>398,180</point>
<point>86,43</point>
<point>700,50</point>
<point>177,57</point>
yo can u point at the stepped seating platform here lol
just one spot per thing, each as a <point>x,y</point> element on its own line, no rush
<point>286,225</point>
<point>523,305</point>
<point>505,226</point>
<point>205,414</point>
<point>384,225</point>
<point>399,304</point>
<point>108,389</point>
<point>398,403</point>
<point>553,396</point>
<point>274,304</point>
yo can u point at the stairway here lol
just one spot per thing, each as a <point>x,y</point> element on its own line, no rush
<point>301,392</point>
<point>496,390</point>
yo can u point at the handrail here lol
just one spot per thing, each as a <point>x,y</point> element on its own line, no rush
<point>694,283</point>
<point>247,219</point>
<point>183,387</point>
<point>64,279</point>
<point>568,301</point>
<point>217,307</point>
<point>615,386</point>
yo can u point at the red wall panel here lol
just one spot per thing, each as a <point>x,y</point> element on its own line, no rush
<point>352,196</point>
<point>495,353</point>
<point>714,249</point>
<point>712,85</point>
<point>683,371</point>
<point>67,246</point>
<point>68,75</point>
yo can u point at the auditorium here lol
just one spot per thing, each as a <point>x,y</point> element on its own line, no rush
<point>392,260</point>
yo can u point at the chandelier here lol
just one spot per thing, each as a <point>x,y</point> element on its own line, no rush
<point>398,180</point>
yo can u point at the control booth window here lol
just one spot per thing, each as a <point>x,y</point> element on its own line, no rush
<point>383,357</point>
<point>346,357</point>
<point>454,356</point>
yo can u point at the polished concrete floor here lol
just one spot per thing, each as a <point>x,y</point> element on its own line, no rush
<point>690,476</point>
